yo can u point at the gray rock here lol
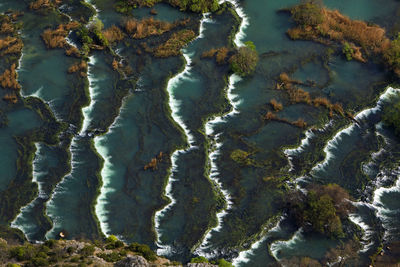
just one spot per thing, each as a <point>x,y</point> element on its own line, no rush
<point>132,261</point>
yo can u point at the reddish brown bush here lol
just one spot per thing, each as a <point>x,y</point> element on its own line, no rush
<point>81,67</point>
<point>276,105</point>
<point>174,44</point>
<point>113,34</point>
<point>11,98</point>
<point>9,79</point>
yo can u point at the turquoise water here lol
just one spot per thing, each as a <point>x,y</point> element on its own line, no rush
<point>199,201</point>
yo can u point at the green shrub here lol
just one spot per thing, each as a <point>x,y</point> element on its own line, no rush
<point>224,263</point>
<point>199,259</point>
<point>241,157</point>
<point>144,250</point>
<point>40,262</point>
<point>87,250</point>
<point>391,114</point>
<point>110,257</point>
<point>50,243</point>
<point>22,253</point>
<point>348,51</point>
<point>392,54</point>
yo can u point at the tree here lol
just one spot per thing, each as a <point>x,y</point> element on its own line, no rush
<point>321,209</point>
<point>245,60</point>
<point>391,114</point>
<point>308,13</point>
<point>392,55</point>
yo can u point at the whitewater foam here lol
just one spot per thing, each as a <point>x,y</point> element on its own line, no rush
<point>362,115</point>
<point>234,101</point>
<point>93,92</point>
<point>279,245</point>
<point>19,222</point>
<point>366,241</point>
<point>106,173</point>
<point>175,108</point>
<point>59,189</point>
<point>245,255</point>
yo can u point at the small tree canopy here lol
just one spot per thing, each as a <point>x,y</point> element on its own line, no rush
<point>245,60</point>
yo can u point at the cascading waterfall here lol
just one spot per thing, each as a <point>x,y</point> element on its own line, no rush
<point>51,208</point>
<point>279,245</point>
<point>93,92</point>
<point>20,222</point>
<point>333,143</point>
<point>213,157</point>
<point>106,175</point>
<point>244,256</point>
<point>175,108</point>
<point>234,101</point>
<point>368,231</point>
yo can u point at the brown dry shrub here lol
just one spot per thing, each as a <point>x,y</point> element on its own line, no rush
<point>146,27</point>
<point>299,123</point>
<point>113,34</point>
<point>270,116</point>
<point>174,44</point>
<point>276,105</point>
<point>299,96</point>
<point>322,101</point>
<point>38,4</point>
<point>9,79</point>
<point>81,67</point>
<point>153,164</point>
<point>210,53</point>
<point>56,38</point>
<point>222,55</point>
<point>115,64</point>
<point>338,108</point>
<point>339,28</point>
<point>72,51</point>
<point>10,45</point>
<point>6,27</point>
<point>10,97</point>
<point>7,42</point>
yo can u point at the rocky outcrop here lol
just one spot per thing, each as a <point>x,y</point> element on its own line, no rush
<point>201,265</point>
<point>133,261</point>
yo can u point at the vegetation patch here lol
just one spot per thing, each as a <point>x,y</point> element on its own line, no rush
<point>359,39</point>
